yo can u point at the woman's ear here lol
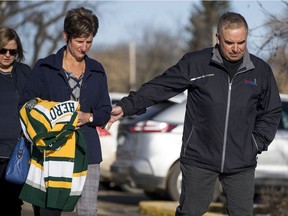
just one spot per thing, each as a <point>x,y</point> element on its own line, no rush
<point>65,36</point>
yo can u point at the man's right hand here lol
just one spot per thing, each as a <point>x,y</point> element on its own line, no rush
<point>116,114</point>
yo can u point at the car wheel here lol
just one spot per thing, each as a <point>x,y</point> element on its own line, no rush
<point>105,185</point>
<point>174,181</point>
<point>130,189</point>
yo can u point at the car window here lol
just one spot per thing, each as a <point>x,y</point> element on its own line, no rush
<point>173,114</point>
<point>284,119</point>
<point>150,112</point>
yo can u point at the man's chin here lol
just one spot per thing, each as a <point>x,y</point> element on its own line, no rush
<point>234,58</point>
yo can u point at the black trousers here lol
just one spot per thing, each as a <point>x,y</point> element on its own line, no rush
<point>9,193</point>
<point>198,187</point>
<point>38,211</point>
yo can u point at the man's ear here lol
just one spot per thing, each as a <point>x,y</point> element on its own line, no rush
<point>217,37</point>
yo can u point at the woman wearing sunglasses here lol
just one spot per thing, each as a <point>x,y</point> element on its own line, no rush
<point>13,76</point>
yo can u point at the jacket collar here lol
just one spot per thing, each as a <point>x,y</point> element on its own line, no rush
<point>55,61</point>
<point>247,64</point>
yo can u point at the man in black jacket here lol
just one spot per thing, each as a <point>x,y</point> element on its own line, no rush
<point>233,111</point>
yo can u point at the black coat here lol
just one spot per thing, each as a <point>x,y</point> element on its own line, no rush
<point>10,125</point>
<point>20,73</point>
<point>228,121</point>
<point>48,81</point>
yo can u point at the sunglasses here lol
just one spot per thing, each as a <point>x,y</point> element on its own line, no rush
<point>12,52</point>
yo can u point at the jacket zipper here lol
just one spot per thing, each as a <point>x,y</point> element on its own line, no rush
<point>226,126</point>
<point>227,118</point>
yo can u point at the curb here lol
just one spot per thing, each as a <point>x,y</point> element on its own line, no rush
<point>166,208</point>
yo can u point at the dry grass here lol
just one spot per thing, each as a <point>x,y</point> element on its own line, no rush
<point>276,200</point>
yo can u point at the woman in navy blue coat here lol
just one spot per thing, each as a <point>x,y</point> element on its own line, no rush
<point>13,75</point>
<point>71,75</point>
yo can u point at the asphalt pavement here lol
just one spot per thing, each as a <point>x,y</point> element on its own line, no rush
<point>113,203</point>
<point>28,211</point>
<point>147,208</point>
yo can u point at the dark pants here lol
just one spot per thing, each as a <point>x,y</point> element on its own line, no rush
<point>45,211</point>
<point>9,193</point>
<point>198,187</point>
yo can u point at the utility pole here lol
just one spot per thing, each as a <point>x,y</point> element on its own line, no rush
<point>132,58</point>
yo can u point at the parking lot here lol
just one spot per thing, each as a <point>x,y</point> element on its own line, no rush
<point>119,203</point>
<point>110,203</point>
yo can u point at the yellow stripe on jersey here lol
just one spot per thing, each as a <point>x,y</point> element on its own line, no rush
<point>56,156</point>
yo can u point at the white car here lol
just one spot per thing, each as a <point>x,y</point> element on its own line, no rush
<point>272,167</point>
<point>108,141</point>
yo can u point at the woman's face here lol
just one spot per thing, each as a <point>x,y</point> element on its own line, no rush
<point>79,47</point>
<point>8,54</point>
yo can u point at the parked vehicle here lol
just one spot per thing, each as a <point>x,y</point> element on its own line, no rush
<point>108,140</point>
<point>272,168</point>
<point>149,148</point>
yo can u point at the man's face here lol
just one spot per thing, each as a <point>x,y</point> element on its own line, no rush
<point>233,43</point>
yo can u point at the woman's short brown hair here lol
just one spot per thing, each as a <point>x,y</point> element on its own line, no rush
<point>80,22</point>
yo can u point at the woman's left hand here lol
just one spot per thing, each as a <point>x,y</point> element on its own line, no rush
<point>83,118</point>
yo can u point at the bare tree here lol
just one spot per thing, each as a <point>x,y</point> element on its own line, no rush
<point>203,22</point>
<point>158,50</point>
<point>155,52</point>
<point>116,63</point>
<point>39,23</point>
<point>275,43</point>
<point>279,63</point>
<point>276,34</point>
